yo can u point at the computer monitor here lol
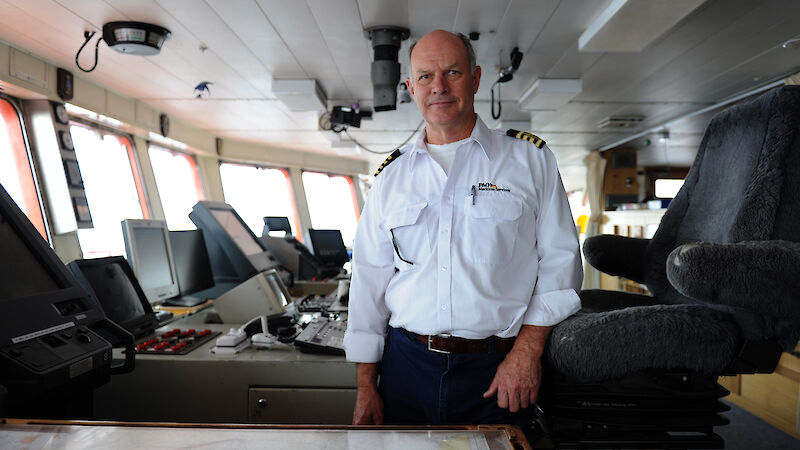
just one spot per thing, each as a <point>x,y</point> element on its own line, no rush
<point>47,344</point>
<point>328,247</point>
<point>230,242</point>
<point>113,283</point>
<point>150,256</point>
<point>264,294</point>
<point>191,261</point>
<point>294,256</point>
<point>276,224</point>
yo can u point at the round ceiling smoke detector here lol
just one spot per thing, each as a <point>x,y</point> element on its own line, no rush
<point>135,38</point>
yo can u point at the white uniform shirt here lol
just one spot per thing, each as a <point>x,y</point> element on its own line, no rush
<point>472,263</point>
<point>445,154</point>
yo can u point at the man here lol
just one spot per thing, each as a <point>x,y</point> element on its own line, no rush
<point>464,258</point>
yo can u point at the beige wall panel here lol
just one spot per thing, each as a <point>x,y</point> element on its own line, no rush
<point>89,96</point>
<point>120,108</point>
<point>30,69</point>
<point>146,117</point>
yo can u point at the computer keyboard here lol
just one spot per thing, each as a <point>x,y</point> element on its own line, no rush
<point>322,335</point>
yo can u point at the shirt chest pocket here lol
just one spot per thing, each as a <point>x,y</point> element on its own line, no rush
<point>491,226</point>
<point>408,231</point>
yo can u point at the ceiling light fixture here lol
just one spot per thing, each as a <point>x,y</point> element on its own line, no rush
<point>132,38</point>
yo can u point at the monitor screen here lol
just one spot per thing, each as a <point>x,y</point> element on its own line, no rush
<point>278,289</point>
<point>191,261</point>
<point>328,246</point>
<point>152,259</point>
<point>115,291</point>
<point>237,230</point>
<point>23,274</point>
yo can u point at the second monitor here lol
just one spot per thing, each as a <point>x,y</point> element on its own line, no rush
<point>329,247</point>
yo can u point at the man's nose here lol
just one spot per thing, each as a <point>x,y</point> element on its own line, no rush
<point>439,85</point>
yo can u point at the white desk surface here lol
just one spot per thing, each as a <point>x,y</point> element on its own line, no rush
<point>20,434</point>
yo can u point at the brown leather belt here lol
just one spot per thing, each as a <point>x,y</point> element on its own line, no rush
<point>442,343</point>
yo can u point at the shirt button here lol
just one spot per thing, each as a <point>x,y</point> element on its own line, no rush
<point>444,307</point>
<point>444,268</point>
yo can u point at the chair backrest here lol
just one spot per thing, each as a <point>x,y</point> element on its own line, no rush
<point>743,185</point>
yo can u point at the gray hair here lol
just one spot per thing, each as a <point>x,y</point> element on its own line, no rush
<point>470,54</point>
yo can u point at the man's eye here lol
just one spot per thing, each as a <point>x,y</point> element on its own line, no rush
<point>453,72</point>
<point>423,77</point>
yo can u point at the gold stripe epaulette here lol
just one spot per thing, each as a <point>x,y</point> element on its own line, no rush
<point>388,161</point>
<point>525,136</point>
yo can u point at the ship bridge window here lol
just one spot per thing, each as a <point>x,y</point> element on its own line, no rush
<point>668,187</point>
<point>332,203</point>
<point>256,192</point>
<point>16,171</point>
<point>179,186</point>
<point>113,187</point>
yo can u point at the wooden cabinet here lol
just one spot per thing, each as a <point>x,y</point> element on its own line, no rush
<point>620,184</point>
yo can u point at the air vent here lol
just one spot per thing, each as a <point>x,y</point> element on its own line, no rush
<point>620,122</point>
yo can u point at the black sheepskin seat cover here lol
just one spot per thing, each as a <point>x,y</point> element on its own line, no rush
<point>722,266</point>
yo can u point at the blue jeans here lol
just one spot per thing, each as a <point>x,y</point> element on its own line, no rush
<point>419,386</point>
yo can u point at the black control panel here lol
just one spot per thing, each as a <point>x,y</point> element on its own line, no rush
<point>322,335</point>
<point>56,355</point>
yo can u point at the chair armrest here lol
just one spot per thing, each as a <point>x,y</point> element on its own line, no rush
<point>759,276</point>
<point>617,255</point>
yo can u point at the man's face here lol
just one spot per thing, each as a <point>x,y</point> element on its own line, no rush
<point>441,82</point>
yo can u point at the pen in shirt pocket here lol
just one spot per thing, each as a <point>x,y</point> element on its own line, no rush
<point>474,192</point>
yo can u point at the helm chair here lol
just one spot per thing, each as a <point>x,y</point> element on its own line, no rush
<point>637,371</point>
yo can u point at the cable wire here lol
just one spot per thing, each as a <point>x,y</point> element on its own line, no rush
<point>389,151</point>
<point>499,105</point>
<point>88,37</point>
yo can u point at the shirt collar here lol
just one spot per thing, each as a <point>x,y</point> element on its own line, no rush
<point>480,134</point>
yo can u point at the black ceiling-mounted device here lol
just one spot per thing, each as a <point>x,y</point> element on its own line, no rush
<point>343,115</point>
<point>385,71</point>
<point>132,38</point>
<point>135,38</point>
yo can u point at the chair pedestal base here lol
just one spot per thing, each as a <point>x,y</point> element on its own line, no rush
<point>648,409</point>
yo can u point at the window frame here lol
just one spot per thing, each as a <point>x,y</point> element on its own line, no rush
<point>286,173</point>
<point>35,197</point>
<point>350,183</point>
<point>199,186</point>
<point>127,141</point>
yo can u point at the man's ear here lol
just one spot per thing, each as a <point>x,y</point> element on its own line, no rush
<point>410,85</point>
<point>476,80</point>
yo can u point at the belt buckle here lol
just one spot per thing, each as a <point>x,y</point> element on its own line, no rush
<point>430,341</point>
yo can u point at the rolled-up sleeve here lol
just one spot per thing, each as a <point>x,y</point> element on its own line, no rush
<point>373,268</point>
<point>560,272</point>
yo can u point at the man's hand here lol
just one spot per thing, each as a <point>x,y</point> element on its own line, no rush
<point>369,406</point>
<point>518,377</point>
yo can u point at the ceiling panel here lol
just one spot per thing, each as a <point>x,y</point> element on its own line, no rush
<point>560,33</point>
<point>58,34</point>
<point>256,32</point>
<point>380,12</point>
<point>301,33</point>
<point>202,21</point>
<point>724,47</point>
<point>341,28</point>
<point>185,59</point>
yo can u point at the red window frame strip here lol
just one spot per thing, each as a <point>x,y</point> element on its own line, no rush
<point>30,197</point>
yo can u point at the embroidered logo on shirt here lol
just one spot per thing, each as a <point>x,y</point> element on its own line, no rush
<point>491,187</point>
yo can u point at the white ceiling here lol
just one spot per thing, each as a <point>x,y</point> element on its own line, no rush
<point>722,48</point>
